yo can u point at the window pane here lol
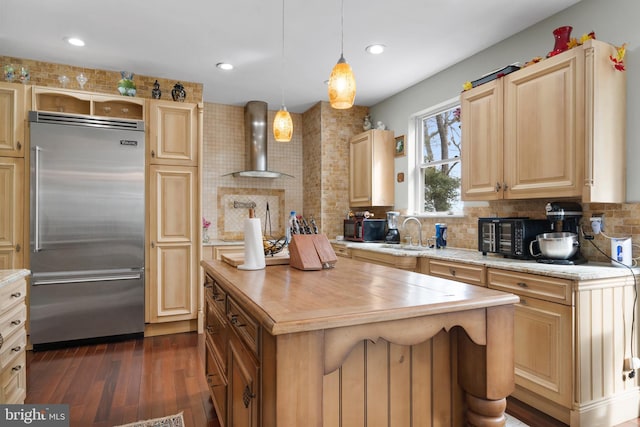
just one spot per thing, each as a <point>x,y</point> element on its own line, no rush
<point>441,136</point>
<point>442,188</point>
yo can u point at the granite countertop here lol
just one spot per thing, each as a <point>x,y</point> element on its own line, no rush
<point>588,271</point>
<point>9,276</point>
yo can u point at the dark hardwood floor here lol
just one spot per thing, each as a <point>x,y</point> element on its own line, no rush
<point>119,383</point>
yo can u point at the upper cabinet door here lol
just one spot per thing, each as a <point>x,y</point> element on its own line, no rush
<point>544,128</point>
<point>173,133</point>
<point>371,169</point>
<point>12,119</point>
<point>482,162</point>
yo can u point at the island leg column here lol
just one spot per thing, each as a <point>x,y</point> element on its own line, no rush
<point>486,372</point>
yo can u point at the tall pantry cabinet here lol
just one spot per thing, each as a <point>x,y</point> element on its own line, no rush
<point>174,140</point>
<point>13,104</point>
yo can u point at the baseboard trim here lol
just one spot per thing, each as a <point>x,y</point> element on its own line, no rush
<point>167,328</point>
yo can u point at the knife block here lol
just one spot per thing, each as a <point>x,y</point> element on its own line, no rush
<point>311,252</point>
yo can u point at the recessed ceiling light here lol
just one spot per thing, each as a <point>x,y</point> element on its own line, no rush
<point>375,49</point>
<point>74,41</point>
<point>224,66</point>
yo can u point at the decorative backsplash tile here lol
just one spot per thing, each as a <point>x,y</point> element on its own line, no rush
<point>231,218</point>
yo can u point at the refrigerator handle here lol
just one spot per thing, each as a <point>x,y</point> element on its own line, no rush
<point>36,199</point>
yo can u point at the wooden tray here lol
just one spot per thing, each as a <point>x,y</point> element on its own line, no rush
<point>238,259</point>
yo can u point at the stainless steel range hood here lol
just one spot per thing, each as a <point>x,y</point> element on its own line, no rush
<point>255,131</point>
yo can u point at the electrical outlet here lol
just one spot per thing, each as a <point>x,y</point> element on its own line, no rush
<point>631,364</point>
<point>597,223</point>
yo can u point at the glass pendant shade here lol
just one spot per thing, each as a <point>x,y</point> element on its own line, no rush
<point>282,125</point>
<point>342,85</point>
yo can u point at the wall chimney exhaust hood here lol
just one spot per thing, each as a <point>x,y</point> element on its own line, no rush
<point>255,133</point>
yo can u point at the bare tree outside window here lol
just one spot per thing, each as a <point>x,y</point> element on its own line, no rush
<point>440,135</point>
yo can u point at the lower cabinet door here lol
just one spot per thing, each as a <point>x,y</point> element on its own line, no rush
<point>543,349</point>
<point>243,386</point>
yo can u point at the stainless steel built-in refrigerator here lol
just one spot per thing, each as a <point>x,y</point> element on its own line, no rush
<point>87,225</point>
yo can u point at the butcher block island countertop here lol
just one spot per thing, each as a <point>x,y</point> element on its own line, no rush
<point>362,342</point>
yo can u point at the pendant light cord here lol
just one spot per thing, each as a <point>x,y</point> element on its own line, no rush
<point>342,30</point>
<point>282,65</point>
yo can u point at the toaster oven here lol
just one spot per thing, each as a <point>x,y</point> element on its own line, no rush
<point>509,236</point>
<point>359,229</point>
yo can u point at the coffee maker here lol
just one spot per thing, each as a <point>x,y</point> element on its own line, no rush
<point>565,216</point>
<point>393,235</point>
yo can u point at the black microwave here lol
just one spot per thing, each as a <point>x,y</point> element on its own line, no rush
<point>364,229</point>
<point>509,236</point>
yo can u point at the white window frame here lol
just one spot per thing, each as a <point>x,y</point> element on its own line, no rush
<point>416,199</point>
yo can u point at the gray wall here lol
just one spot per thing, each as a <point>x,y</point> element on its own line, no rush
<point>614,21</point>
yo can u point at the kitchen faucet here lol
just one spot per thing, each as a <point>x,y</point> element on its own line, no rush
<point>407,219</point>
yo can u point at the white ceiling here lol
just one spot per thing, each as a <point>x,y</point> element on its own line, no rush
<point>185,39</point>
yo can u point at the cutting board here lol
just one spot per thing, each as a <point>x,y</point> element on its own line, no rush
<point>238,259</point>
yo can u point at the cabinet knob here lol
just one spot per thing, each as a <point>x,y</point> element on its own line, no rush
<point>153,153</point>
<point>18,247</point>
<point>505,186</point>
<point>498,187</point>
<point>153,244</point>
<point>452,271</point>
<point>19,145</point>
<point>523,285</point>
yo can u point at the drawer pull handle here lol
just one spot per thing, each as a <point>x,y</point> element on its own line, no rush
<point>235,321</point>
<point>247,396</point>
<point>16,322</point>
<point>16,349</point>
<point>16,368</point>
<point>452,271</point>
<point>523,285</point>
<point>16,295</point>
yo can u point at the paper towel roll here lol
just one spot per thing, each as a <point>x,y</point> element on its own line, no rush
<point>253,249</point>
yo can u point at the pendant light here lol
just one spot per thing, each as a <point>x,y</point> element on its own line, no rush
<point>342,83</point>
<point>282,123</point>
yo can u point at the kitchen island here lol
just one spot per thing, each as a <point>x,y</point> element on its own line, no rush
<point>357,345</point>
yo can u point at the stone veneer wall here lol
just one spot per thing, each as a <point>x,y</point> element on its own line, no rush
<point>326,161</point>
<point>620,220</point>
<point>102,81</point>
<point>224,152</point>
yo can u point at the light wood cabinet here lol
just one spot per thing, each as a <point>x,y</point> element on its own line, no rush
<point>466,273</point>
<point>402,262</point>
<point>371,169</point>
<point>232,358</point>
<point>69,101</point>
<point>571,339</point>
<point>174,230</point>
<point>12,119</point>
<point>13,368</point>
<point>11,213</point>
<point>173,133</point>
<point>543,332</point>
<point>552,129</point>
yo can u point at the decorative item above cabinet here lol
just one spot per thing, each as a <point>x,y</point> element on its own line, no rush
<point>555,128</point>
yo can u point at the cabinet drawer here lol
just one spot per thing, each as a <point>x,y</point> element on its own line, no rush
<point>13,320</point>
<point>12,346</point>
<point>246,327</point>
<point>401,262</point>
<point>13,381</point>
<point>217,383</point>
<point>532,285</point>
<point>341,250</point>
<point>12,294</point>
<point>472,274</point>
<point>217,329</point>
